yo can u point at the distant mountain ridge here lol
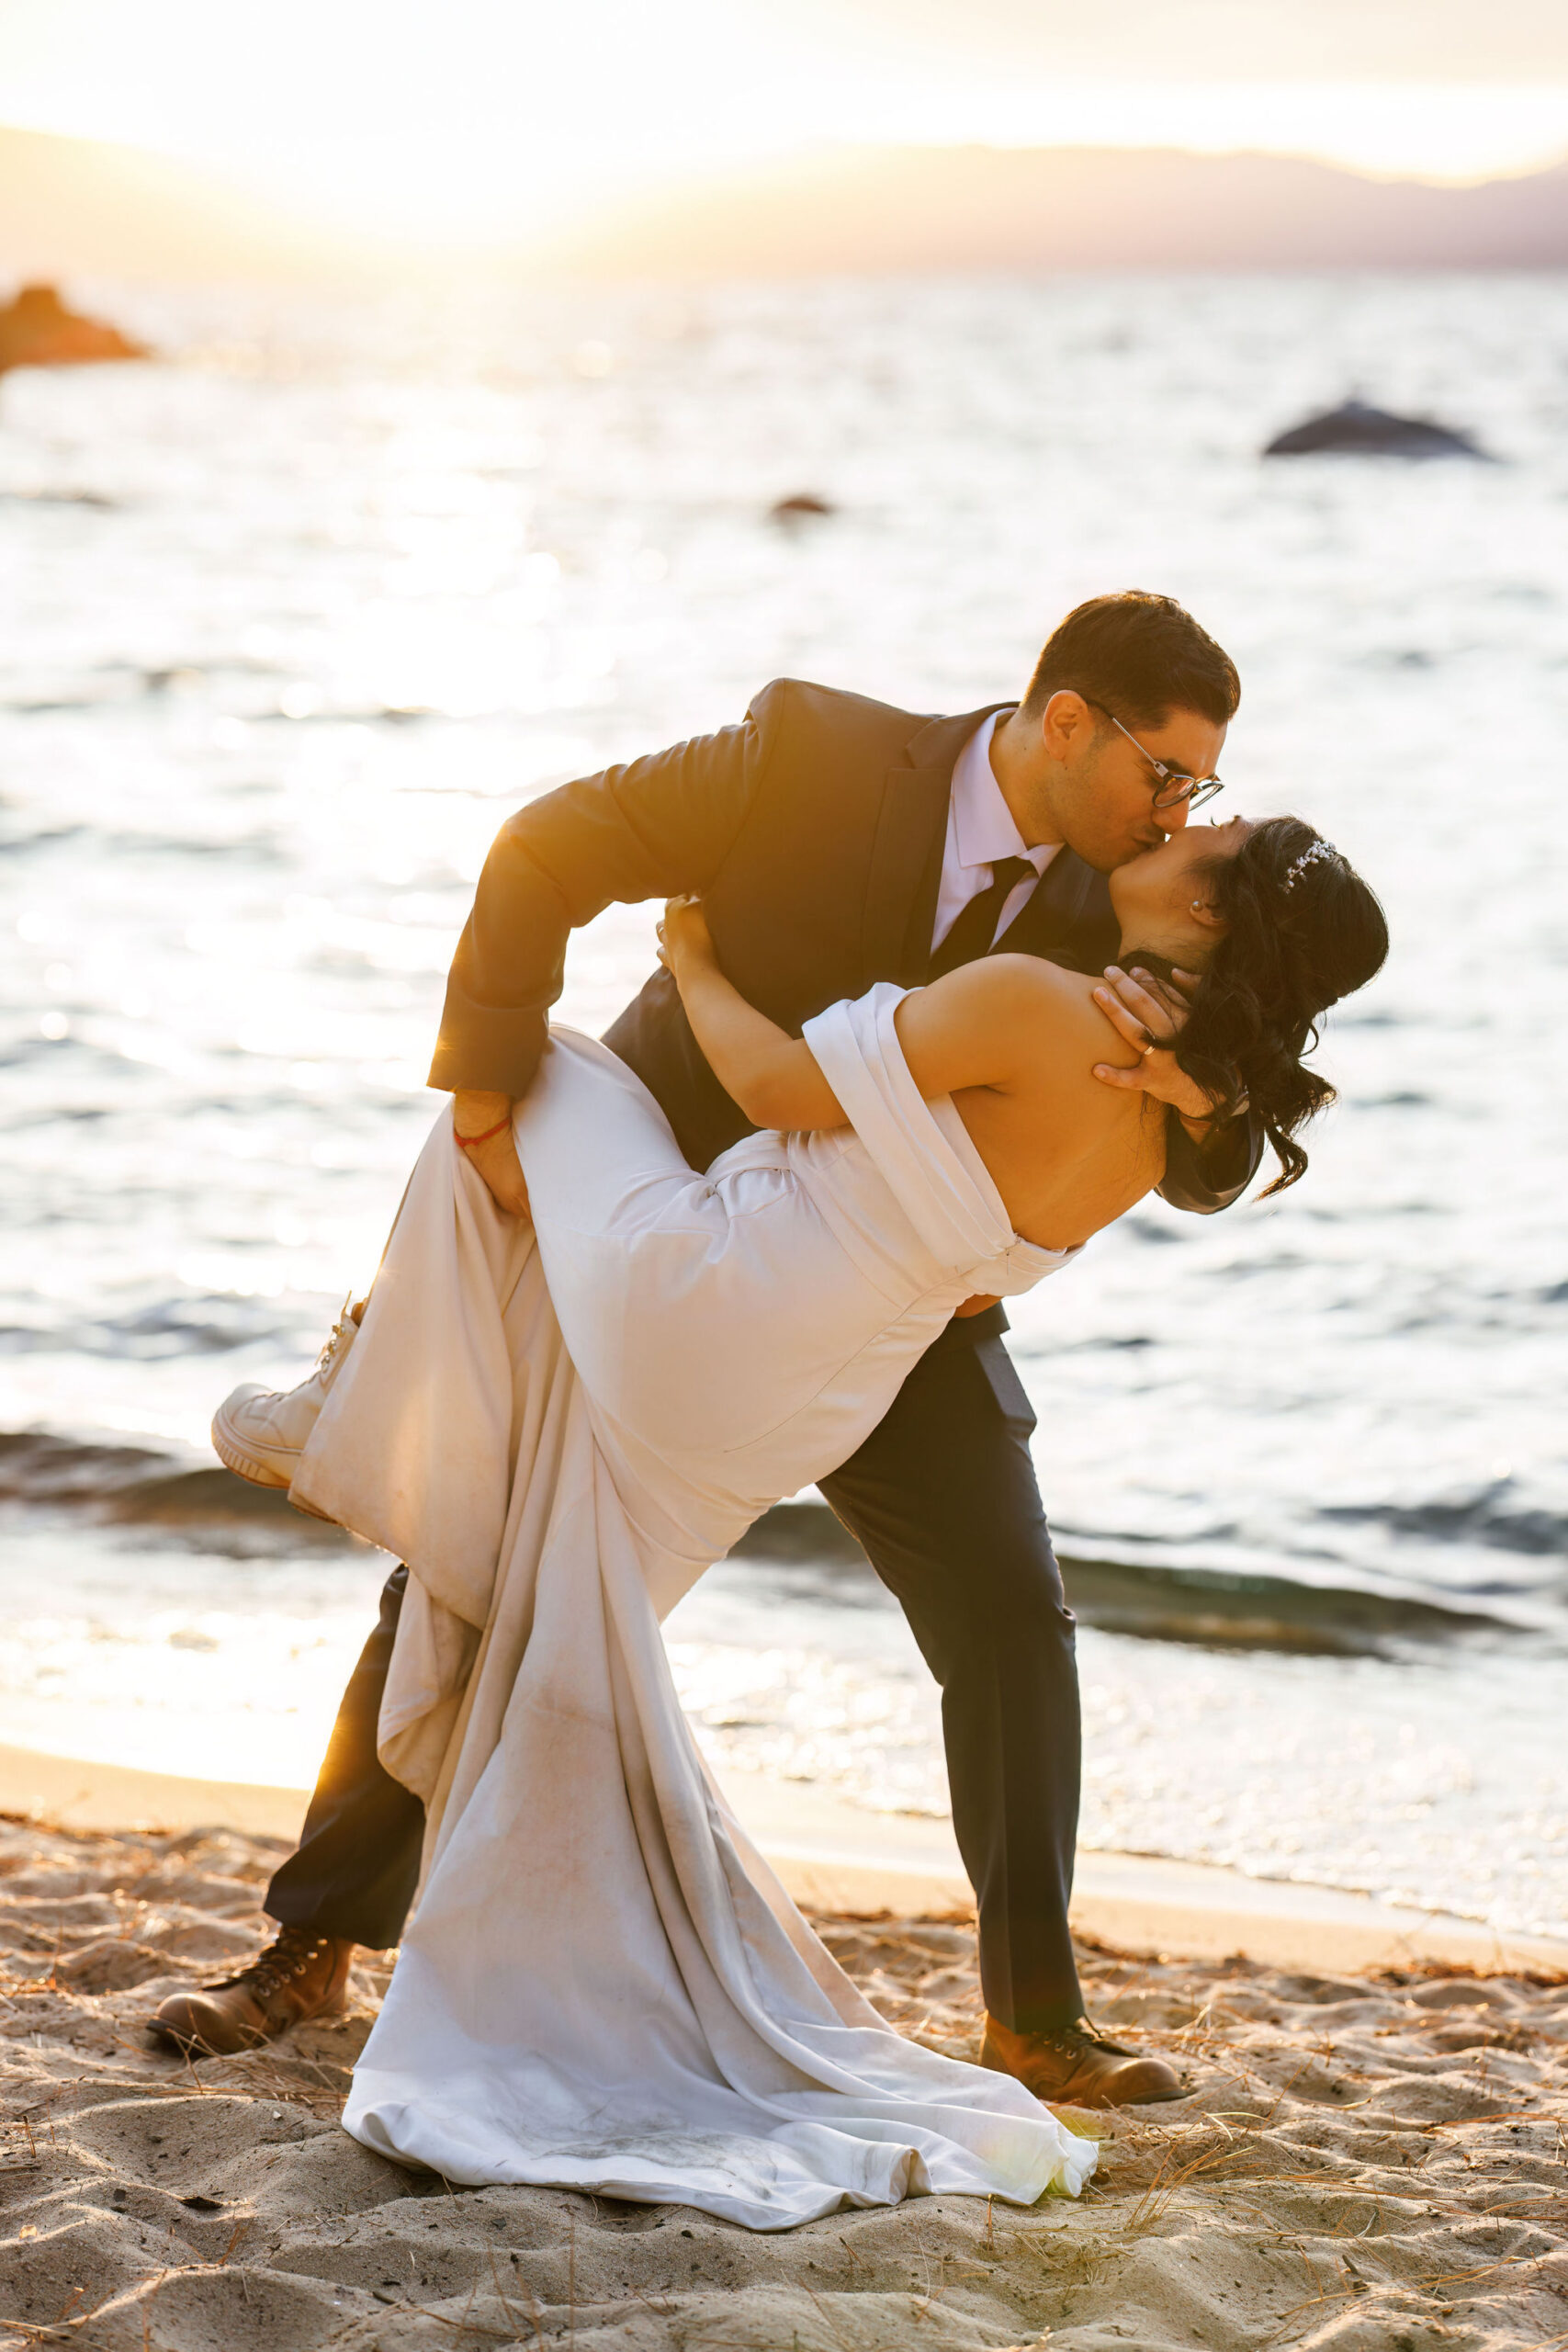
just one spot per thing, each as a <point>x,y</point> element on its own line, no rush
<point>71,208</point>
<point>862,211</point>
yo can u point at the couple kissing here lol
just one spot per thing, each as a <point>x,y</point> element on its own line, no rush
<point>937,999</point>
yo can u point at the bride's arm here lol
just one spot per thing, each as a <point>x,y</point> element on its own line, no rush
<point>771,1075</point>
<point>972,1028</point>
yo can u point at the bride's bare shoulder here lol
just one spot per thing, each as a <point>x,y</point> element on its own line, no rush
<point>1007,1022</point>
<point>1038,992</point>
<point>1061,1030</point>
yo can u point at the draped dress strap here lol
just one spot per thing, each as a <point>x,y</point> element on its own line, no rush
<point>921,1150</point>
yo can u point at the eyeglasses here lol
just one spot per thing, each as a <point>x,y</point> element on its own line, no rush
<point>1174,787</point>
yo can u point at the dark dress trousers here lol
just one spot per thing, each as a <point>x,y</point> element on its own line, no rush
<point>815,833</point>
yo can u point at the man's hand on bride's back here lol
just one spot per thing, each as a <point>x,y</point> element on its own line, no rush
<point>495,1159</point>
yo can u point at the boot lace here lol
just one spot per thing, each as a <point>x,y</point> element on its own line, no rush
<point>1072,2041</point>
<point>291,1956</point>
<point>337,1335</point>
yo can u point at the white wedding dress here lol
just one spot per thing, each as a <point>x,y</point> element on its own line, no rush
<point>560,1427</point>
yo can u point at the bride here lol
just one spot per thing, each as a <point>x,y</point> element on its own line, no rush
<point>559,1424</point>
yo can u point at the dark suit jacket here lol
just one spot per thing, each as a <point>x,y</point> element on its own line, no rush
<point>814,832</point>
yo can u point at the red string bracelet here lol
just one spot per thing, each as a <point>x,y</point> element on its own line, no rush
<point>467,1143</point>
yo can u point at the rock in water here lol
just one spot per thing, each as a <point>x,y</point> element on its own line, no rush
<point>38,331</point>
<point>804,501</point>
<point>1372,432</point>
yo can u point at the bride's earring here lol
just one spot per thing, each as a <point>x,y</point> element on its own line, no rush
<point>1197,906</point>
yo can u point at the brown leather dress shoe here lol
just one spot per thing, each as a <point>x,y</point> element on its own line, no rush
<point>300,1976</point>
<point>1075,2067</point>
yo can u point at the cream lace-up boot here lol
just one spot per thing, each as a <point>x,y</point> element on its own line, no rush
<point>261,1432</point>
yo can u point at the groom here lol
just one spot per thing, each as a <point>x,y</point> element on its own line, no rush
<point>837,842</point>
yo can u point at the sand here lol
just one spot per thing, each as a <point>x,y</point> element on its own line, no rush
<point>837,1857</point>
<point>1374,2163</point>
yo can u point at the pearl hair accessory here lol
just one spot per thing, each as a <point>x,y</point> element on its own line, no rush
<point>1308,858</point>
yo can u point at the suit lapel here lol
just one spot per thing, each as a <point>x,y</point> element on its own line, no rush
<point>905,874</point>
<point>1067,918</point>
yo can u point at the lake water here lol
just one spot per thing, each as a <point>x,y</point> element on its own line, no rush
<point>293,618</point>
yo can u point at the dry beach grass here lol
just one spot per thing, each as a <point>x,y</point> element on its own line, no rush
<point>1375,2164</point>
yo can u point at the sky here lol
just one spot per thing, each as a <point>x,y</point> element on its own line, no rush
<point>497,116</point>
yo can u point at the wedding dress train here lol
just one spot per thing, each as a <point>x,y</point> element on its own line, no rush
<point>559,1427</point>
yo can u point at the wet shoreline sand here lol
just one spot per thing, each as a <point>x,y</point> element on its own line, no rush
<point>1369,2160</point>
<point>836,1857</point>
<point>1255,1730</point>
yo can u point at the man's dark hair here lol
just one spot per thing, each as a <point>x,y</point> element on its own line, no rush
<point>1140,657</point>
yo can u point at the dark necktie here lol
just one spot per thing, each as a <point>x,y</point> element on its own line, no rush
<point>977,925</point>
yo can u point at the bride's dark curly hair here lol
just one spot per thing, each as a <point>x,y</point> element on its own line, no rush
<point>1301,931</point>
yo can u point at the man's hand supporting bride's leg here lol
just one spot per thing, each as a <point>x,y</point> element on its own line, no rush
<point>482,1127</point>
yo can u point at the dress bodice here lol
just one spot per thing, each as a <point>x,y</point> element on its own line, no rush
<point>900,1154</point>
<point>735,1335</point>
